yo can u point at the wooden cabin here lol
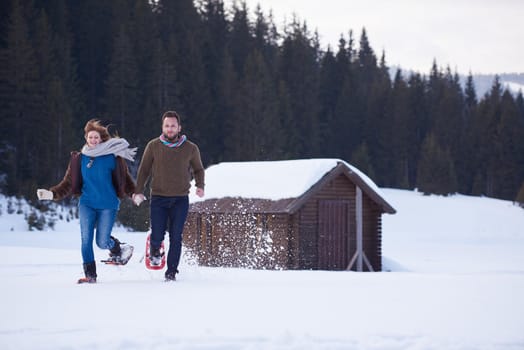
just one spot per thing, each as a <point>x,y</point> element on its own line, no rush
<point>320,214</point>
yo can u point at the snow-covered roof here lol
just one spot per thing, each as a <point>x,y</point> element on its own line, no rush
<point>272,180</point>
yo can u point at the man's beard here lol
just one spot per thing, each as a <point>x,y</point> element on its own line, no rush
<point>174,138</point>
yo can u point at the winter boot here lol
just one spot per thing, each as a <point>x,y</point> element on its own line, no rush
<point>90,273</point>
<point>120,253</point>
<point>116,251</point>
<point>155,256</point>
<point>171,275</point>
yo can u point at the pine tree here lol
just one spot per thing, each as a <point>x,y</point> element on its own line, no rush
<point>5,10</point>
<point>367,60</point>
<point>508,167</point>
<point>21,97</point>
<point>182,33</point>
<point>377,126</point>
<point>215,54</point>
<point>348,127</point>
<point>285,114</point>
<point>162,86</point>
<point>419,122</point>
<point>92,28</point>
<point>467,162</point>
<point>359,95</point>
<point>299,71</point>
<point>329,90</point>
<point>436,171</point>
<point>144,35</point>
<point>346,131</point>
<point>396,135</point>
<point>266,38</point>
<point>434,92</point>
<point>470,92</point>
<point>486,139</point>
<point>445,107</point>
<point>66,69</point>
<point>256,111</point>
<point>122,103</point>
<point>55,140</point>
<point>215,37</point>
<point>227,92</point>
<point>361,160</point>
<point>520,105</point>
<point>241,38</point>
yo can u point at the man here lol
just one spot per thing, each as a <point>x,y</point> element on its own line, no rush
<point>168,160</point>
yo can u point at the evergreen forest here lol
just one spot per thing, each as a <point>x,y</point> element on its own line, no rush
<point>248,89</point>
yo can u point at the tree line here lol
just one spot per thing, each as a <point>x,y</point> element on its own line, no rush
<point>246,91</point>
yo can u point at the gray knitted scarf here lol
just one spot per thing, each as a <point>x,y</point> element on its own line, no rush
<point>117,146</point>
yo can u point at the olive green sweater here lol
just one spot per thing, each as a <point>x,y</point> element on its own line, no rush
<point>170,169</point>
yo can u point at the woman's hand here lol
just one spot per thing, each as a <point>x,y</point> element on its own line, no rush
<point>43,194</point>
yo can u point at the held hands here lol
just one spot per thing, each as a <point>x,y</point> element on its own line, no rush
<point>138,198</point>
<point>44,194</point>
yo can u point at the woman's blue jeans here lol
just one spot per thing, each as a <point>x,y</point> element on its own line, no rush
<point>169,213</point>
<point>102,220</point>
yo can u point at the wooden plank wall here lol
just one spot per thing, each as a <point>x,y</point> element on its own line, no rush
<point>191,234</point>
<point>293,241</point>
<point>250,240</point>
<point>372,235</point>
<point>338,188</point>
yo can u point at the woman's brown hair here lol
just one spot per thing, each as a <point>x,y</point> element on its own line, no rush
<point>95,125</point>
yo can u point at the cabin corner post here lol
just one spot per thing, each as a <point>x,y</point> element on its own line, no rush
<point>359,228</point>
<point>360,256</point>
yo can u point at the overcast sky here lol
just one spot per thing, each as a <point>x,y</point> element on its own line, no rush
<point>481,36</point>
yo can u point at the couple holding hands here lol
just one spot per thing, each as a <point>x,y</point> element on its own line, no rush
<point>99,176</point>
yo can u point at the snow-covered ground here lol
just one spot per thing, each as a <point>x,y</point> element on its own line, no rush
<point>454,280</point>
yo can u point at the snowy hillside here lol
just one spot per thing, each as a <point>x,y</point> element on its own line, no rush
<point>456,282</point>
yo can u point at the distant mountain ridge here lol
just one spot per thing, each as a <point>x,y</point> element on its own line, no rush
<point>483,82</point>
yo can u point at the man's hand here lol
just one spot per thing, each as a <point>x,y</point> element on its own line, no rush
<point>138,198</point>
<point>44,194</point>
<point>200,192</point>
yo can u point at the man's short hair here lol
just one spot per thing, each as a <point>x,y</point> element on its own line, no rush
<point>171,114</point>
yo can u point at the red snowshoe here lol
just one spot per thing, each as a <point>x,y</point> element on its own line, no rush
<point>157,260</point>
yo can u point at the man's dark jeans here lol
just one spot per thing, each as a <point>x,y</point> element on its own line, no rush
<point>169,214</point>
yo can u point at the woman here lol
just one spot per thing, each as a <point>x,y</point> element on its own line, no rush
<point>99,176</point>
